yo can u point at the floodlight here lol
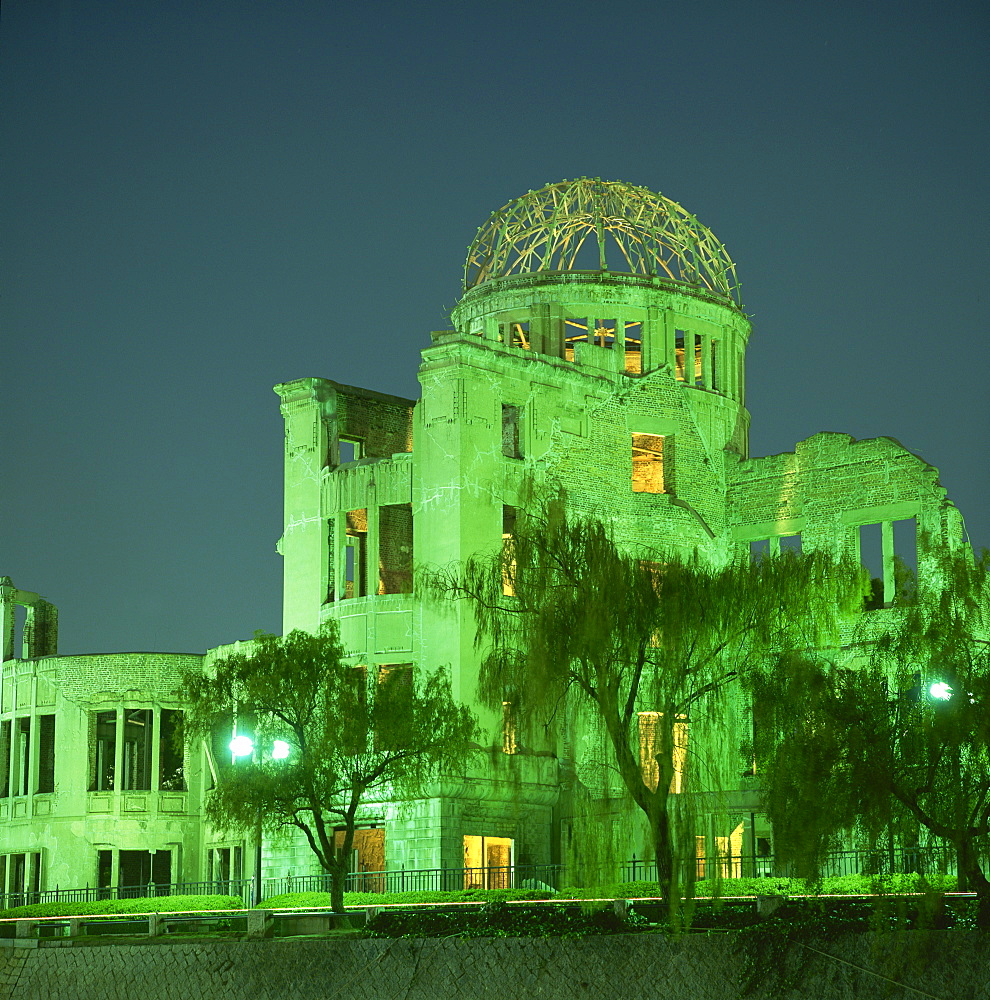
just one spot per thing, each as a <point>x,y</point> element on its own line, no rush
<point>242,746</point>
<point>940,690</point>
<point>280,750</point>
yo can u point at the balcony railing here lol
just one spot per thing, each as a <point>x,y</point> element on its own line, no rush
<point>540,877</point>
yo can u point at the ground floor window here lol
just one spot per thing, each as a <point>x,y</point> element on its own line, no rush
<point>20,876</point>
<point>135,873</point>
<point>488,862</point>
<point>367,861</point>
<point>225,865</point>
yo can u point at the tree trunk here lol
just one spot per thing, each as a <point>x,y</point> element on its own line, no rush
<point>971,876</point>
<point>663,852</point>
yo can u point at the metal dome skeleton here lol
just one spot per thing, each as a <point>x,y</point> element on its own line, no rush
<point>636,232</point>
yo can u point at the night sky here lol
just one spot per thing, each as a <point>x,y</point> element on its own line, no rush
<point>201,199</point>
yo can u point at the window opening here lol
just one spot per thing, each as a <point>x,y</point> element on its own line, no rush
<point>488,862</point>
<point>367,861</point>
<point>171,764</point>
<point>511,438</point>
<point>349,450</point>
<point>713,359</point>
<point>395,549</point>
<point>648,463</point>
<point>871,556</point>
<point>790,543</point>
<point>575,332</point>
<point>393,706</point>
<point>354,724</point>
<point>651,746</point>
<point>138,869</point>
<point>103,749</point>
<point>519,333</point>
<point>46,753</point>
<point>729,853</point>
<point>356,553</point>
<point>104,869</point>
<point>225,866</point>
<point>5,727</point>
<point>22,756</point>
<point>634,347</point>
<point>510,743</point>
<point>137,749</point>
<point>508,551</point>
<point>20,877</point>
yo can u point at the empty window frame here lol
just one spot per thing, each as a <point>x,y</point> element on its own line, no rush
<point>21,770</point>
<point>510,741</point>
<point>171,752</point>
<point>512,430</point>
<point>136,760</point>
<point>508,550</point>
<point>688,357</point>
<point>651,747</point>
<point>225,865</point>
<point>395,549</point>
<point>760,548</point>
<point>634,347</point>
<point>20,877</point>
<point>142,871</point>
<point>648,471</point>
<point>46,753</point>
<point>889,551</point>
<point>393,706</point>
<point>356,554</point>
<point>575,332</point>
<point>103,751</point>
<point>349,450</point>
<point>5,730</point>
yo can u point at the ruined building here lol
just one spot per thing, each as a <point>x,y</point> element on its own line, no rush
<point>600,345</point>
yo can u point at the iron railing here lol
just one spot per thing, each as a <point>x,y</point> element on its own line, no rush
<point>878,862</point>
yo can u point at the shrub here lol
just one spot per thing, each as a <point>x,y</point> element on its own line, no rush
<point>498,919</point>
<point>303,900</point>
<point>141,904</point>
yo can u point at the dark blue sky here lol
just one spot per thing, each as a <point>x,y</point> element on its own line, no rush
<point>201,199</point>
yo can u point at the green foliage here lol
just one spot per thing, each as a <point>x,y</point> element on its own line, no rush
<point>141,904</point>
<point>348,737</point>
<point>302,900</point>
<point>593,634</point>
<point>855,741</point>
<point>832,885</point>
<point>499,919</point>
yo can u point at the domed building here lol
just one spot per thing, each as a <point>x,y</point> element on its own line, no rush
<point>599,346</point>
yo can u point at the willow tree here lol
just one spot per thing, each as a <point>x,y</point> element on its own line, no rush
<point>893,740</point>
<point>567,618</point>
<point>343,738</point>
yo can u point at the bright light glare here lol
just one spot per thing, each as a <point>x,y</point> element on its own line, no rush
<point>940,690</point>
<point>241,746</point>
<point>280,750</point>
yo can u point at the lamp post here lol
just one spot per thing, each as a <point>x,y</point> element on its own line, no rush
<point>243,746</point>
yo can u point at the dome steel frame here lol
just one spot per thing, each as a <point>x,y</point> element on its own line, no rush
<point>545,230</point>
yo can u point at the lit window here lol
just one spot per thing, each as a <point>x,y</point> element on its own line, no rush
<point>650,747</point>
<point>509,730</point>
<point>648,464</point>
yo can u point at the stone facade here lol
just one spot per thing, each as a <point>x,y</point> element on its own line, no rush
<point>625,385</point>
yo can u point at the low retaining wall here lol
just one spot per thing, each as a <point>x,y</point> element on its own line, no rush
<point>629,967</point>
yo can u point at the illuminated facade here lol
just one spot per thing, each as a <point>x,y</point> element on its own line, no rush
<point>599,345</point>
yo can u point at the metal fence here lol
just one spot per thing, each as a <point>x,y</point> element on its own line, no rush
<point>926,861</point>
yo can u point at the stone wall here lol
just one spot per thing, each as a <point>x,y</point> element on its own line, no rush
<point>696,967</point>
